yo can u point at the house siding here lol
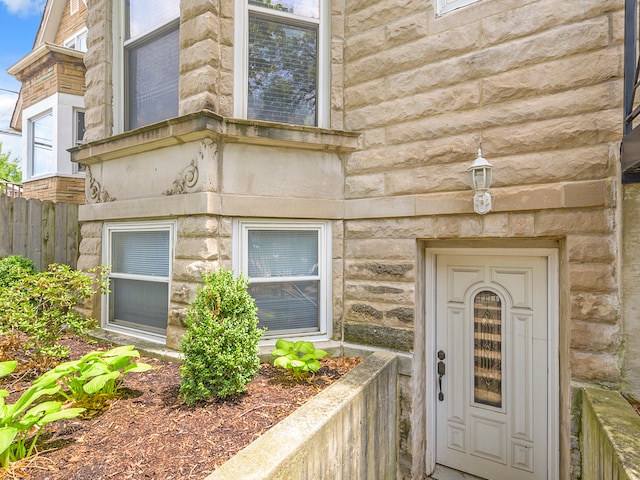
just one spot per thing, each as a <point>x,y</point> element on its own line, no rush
<point>537,84</point>
<point>70,24</point>
<point>56,189</point>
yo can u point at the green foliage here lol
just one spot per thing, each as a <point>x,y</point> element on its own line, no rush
<point>9,168</point>
<point>42,306</point>
<point>97,373</point>
<point>220,346</point>
<point>13,268</point>
<point>18,419</point>
<point>299,358</point>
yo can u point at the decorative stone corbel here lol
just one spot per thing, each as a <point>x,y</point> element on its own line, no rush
<point>189,175</point>
<point>96,192</point>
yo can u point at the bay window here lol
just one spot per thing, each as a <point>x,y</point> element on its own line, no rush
<point>282,59</point>
<point>288,266</point>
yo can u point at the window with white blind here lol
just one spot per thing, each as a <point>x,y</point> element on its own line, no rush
<point>139,257</point>
<point>288,266</point>
<point>444,6</point>
<point>42,160</point>
<point>282,59</point>
<point>148,63</point>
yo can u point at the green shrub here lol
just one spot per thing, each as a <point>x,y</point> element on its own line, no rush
<point>220,345</point>
<point>13,268</point>
<point>42,306</point>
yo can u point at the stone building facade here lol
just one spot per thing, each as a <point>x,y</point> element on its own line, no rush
<point>412,90</point>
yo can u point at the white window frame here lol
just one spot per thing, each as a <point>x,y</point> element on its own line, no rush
<point>32,144</point>
<point>241,56</point>
<point>77,167</point>
<point>108,229</point>
<point>76,112</point>
<point>72,41</point>
<point>62,105</point>
<point>240,258</point>
<point>446,6</point>
<point>120,105</point>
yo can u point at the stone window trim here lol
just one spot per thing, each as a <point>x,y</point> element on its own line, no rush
<point>446,6</point>
<point>109,228</point>
<point>240,261</point>
<point>241,60</point>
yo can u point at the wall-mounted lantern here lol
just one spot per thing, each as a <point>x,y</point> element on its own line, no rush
<point>481,180</point>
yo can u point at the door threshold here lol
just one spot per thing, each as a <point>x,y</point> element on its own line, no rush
<point>445,473</point>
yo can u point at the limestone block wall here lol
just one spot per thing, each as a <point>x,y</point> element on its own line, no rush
<point>99,75</point>
<point>203,245</point>
<point>426,92</point>
<point>536,84</point>
<point>90,256</point>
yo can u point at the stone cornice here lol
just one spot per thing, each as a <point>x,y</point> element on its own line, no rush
<point>206,124</point>
<point>39,53</point>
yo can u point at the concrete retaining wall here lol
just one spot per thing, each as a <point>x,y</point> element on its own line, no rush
<point>610,436</point>
<point>348,431</point>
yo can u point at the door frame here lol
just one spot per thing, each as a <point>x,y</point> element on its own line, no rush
<point>553,332</point>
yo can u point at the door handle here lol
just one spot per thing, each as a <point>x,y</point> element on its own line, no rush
<point>441,371</point>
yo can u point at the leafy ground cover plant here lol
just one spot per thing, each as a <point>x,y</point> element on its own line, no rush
<point>13,268</point>
<point>96,373</point>
<point>43,307</point>
<point>17,420</point>
<point>299,358</point>
<point>220,345</point>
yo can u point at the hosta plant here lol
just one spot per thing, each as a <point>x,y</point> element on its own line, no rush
<point>98,372</point>
<point>299,358</point>
<point>21,422</point>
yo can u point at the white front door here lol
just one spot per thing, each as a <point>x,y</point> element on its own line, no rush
<point>491,365</point>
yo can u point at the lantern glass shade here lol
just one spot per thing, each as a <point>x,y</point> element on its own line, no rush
<point>481,178</point>
<point>481,173</point>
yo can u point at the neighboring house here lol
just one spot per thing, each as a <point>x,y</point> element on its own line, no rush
<point>322,149</point>
<point>50,108</point>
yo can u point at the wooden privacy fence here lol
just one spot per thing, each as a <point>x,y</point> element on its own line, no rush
<point>43,231</point>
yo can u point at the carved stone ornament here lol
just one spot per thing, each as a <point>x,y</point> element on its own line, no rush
<point>97,193</point>
<point>189,175</point>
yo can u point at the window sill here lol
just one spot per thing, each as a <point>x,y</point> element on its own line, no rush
<point>206,124</point>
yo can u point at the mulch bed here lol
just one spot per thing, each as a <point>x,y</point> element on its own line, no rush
<point>149,433</point>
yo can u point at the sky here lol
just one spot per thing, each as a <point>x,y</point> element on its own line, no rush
<point>19,22</point>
